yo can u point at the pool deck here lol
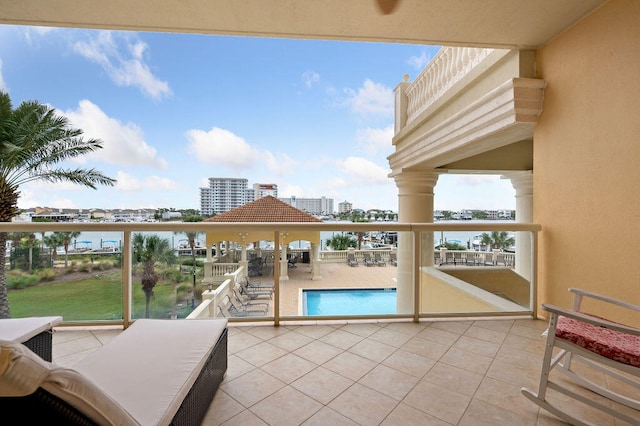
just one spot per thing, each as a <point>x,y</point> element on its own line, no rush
<point>334,275</point>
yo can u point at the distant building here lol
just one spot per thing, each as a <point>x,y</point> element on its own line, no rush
<point>345,207</point>
<point>224,194</point>
<point>316,206</point>
<point>171,215</point>
<point>263,189</point>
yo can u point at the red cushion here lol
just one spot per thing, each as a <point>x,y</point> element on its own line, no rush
<point>616,345</point>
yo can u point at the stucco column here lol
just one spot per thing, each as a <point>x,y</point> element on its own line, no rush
<point>523,184</point>
<point>243,260</point>
<point>208,264</point>
<point>315,262</point>
<point>284,268</point>
<point>415,204</point>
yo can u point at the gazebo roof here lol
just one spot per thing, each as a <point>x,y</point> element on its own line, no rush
<point>266,209</point>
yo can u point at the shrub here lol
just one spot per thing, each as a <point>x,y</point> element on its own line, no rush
<point>48,274</point>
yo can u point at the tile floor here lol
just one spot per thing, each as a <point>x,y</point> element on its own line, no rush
<point>432,373</point>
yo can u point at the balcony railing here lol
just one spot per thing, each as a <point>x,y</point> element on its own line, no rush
<point>428,282</point>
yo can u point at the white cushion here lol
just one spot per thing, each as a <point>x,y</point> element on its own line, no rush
<point>150,368</point>
<point>22,372</point>
<point>23,329</point>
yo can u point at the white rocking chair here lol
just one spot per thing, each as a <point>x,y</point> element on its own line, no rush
<point>609,347</point>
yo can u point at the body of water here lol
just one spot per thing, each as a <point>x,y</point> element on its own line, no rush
<point>349,302</point>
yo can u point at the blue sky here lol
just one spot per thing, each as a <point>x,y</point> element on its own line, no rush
<point>314,117</point>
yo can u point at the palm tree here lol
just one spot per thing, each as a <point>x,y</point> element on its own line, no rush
<point>34,141</point>
<point>148,250</point>
<point>497,240</point>
<point>341,242</point>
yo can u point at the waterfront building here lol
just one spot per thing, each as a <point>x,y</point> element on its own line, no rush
<point>263,189</point>
<point>345,207</point>
<point>224,194</point>
<point>316,206</point>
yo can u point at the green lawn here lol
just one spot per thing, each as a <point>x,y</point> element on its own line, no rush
<point>91,299</point>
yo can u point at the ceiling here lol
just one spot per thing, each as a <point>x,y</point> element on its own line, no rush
<point>480,23</point>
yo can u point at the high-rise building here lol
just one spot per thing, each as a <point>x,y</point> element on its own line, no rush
<point>224,194</point>
<point>345,207</point>
<point>317,206</point>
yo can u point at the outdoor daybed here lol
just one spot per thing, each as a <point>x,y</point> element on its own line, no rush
<point>157,372</point>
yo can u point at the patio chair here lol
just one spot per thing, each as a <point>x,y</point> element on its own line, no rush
<point>236,306</point>
<point>256,285</point>
<point>351,260</point>
<point>393,259</point>
<point>247,301</point>
<point>255,293</point>
<point>225,312</point>
<point>609,348</point>
<point>378,259</point>
<point>291,262</point>
<point>368,261</point>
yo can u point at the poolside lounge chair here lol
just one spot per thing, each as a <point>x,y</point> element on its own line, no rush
<point>393,259</point>
<point>237,306</point>
<point>611,349</point>
<point>351,260</point>
<point>257,285</point>
<point>378,259</point>
<point>226,312</point>
<point>247,301</point>
<point>291,262</point>
<point>255,293</point>
<point>368,261</point>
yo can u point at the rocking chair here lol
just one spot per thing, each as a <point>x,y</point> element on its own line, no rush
<point>608,347</point>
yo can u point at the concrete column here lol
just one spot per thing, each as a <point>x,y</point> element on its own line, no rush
<point>284,268</point>
<point>315,262</point>
<point>243,260</point>
<point>415,205</point>
<point>523,184</point>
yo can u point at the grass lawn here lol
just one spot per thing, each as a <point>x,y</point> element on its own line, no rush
<point>91,298</point>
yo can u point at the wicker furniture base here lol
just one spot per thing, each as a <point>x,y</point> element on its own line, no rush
<point>43,408</point>
<point>42,345</point>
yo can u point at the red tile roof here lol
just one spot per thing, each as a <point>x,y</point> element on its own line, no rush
<point>265,210</point>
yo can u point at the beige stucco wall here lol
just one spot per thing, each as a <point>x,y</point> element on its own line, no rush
<point>587,159</point>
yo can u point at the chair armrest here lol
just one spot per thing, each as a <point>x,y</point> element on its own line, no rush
<point>585,293</point>
<point>590,319</point>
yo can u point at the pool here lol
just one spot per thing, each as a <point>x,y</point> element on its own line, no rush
<point>366,301</point>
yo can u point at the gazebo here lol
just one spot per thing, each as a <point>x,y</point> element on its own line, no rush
<point>266,210</point>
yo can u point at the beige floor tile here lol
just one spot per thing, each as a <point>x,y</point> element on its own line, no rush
<point>389,381</point>
<point>290,341</point>
<point>261,353</point>
<point>467,360</point>
<point>341,339</point>
<point>245,418</point>
<point>523,376</point>
<point>455,327</point>
<point>318,352</point>
<point>363,405</point>
<point>373,350</point>
<point>241,341</point>
<point>222,408</point>
<point>267,331</point>
<point>425,348</point>
<point>445,404</point>
<point>322,385</point>
<point>326,416</point>
<point>289,367</point>
<point>350,365</point>
<point>481,413</point>
<point>390,337</point>
<point>485,334</point>
<point>507,396</point>
<point>363,330</point>
<point>409,416</point>
<point>476,346</point>
<point>534,346</point>
<point>437,335</point>
<point>297,406</point>
<point>410,328</point>
<point>454,378</point>
<point>251,388</point>
<point>503,326</point>
<point>315,332</point>
<point>236,367</point>
<point>409,363</point>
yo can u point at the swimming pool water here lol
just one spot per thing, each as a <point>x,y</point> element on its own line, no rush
<point>349,302</point>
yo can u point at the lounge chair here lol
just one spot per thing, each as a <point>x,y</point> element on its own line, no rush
<point>291,262</point>
<point>254,293</point>
<point>378,259</point>
<point>236,307</point>
<point>393,259</point>
<point>611,349</point>
<point>226,312</point>
<point>247,301</point>
<point>368,261</point>
<point>257,285</point>
<point>156,372</point>
<point>351,260</point>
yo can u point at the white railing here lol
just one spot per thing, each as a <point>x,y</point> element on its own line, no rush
<point>448,67</point>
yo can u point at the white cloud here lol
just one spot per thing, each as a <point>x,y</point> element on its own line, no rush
<point>123,144</point>
<point>128,182</point>
<point>287,190</point>
<point>371,99</point>
<point>221,147</point>
<point>375,140</point>
<point>364,171</point>
<point>280,164</point>
<point>125,65</point>
<point>419,62</point>
<point>310,78</point>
